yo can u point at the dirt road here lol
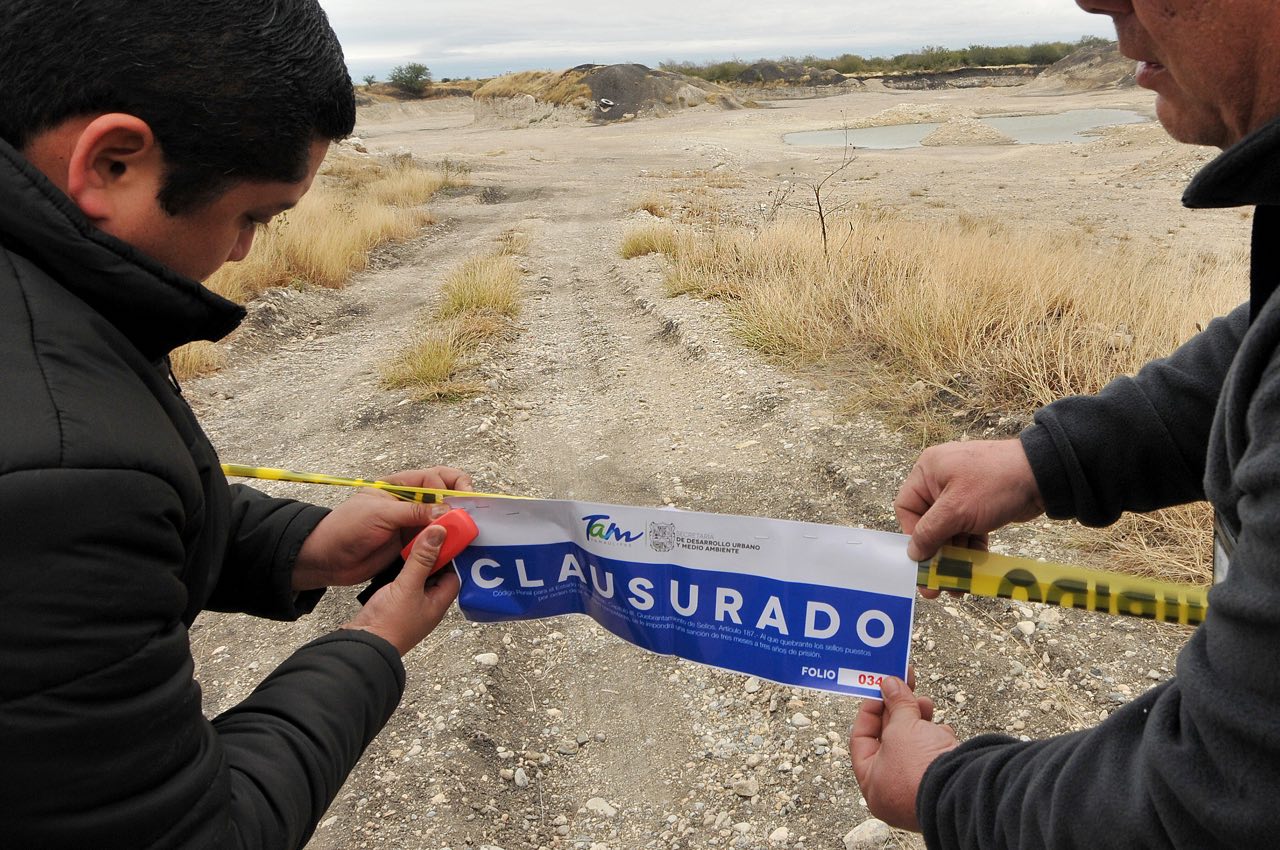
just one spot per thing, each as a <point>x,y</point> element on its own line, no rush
<point>612,392</point>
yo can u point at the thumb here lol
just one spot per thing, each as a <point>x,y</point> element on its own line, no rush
<point>900,704</point>
<point>421,562</point>
<point>931,532</point>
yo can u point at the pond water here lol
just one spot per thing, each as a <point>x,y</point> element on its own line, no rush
<point>1024,129</point>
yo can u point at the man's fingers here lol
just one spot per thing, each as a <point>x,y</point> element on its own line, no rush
<point>933,529</point>
<point>441,592</point>
<point>434,478</point>
<point>911,502</point>
<point>864,739</point>
<point>926,708</point>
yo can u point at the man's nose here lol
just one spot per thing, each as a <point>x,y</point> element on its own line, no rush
<point>243,243</point>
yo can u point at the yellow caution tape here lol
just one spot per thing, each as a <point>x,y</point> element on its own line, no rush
<point>427,495</point>
<point>965,570</point>
<point>1026,580</point>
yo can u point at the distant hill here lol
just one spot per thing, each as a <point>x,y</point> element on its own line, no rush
<point>609,92</point>
<point>1096,67</point>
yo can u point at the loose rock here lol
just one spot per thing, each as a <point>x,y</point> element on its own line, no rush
<point>869,835</point>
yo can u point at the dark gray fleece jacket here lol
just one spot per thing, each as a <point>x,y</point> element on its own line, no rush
<point>1195,762</point>
<point>116,528</point>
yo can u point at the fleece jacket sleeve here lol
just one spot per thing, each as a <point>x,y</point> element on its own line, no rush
<point>1140,443</point>
<point>103,737</point>
<point>1194,763</point>
<point>257,573</point>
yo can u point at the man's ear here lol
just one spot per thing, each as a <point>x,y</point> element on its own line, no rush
<point>115,166</point>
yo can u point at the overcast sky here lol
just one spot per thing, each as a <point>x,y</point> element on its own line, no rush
<point>457,38</point>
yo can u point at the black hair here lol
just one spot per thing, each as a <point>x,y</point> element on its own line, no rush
<point>232,89</point>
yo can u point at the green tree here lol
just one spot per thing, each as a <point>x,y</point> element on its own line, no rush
<point>413,78</point>
<point>369,80</point>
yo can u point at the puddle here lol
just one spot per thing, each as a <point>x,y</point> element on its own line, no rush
<point>1023,129</point>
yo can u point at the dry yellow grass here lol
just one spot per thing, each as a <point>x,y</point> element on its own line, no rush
<point>428,368</point>
<point>654,205</point>
<point>1174,544</point>
<point>563,88</point>
<point>359,204</point>
<point>649,239</point>
<point>196,358</point>
<point>1004,320</point>
<point>482,284</point>
<point>943,321</point>
<point>478,301</point>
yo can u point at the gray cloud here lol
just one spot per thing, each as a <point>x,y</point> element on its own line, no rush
<point>480,39</point>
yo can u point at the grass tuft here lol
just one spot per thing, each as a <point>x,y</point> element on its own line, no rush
<point>649,239</point>
<point>483,284</point>
<point>653,205</point>
<point>479,300</point>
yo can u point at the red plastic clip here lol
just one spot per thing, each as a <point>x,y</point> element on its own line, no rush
<point>460,530</point>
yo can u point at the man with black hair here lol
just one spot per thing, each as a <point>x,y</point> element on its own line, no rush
<point>1194,762</point>
<point>141,144</point>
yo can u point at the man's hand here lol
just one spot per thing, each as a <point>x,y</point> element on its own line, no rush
<point>892,744</point>
<point>407,610</point>
<point>363,535</point>
<point>958,492</point>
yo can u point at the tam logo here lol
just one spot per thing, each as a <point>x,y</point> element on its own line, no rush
<point>600,527</point>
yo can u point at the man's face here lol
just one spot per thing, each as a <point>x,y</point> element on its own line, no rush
<point>1209,61</point>
<point>198,242</point>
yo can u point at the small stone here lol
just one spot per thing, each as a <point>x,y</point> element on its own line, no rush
<point>521,778</point>
<point>1026,627</point>
<point>487,659</point>
<point>1153,675</point>
<point>602,807</point>
<point>781,835</point>
<point>752,686</point>
<point>799,721</point>
<point>567,748</point>
<point>742,827</point>
<point>871,834</point>
<point>748,787</point>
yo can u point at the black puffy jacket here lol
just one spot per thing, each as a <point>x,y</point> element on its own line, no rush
<point>116,528</point>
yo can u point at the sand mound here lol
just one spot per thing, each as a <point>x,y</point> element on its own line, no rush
<point>1087,69</point>
<point>965,131</point>
<point>907,113</point>
<point>600,93</point>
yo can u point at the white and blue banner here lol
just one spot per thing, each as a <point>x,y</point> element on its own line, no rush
<point>801,604</point>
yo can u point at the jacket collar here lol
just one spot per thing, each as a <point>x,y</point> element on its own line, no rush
<point>1245,174</point>
<point>155,307</point>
